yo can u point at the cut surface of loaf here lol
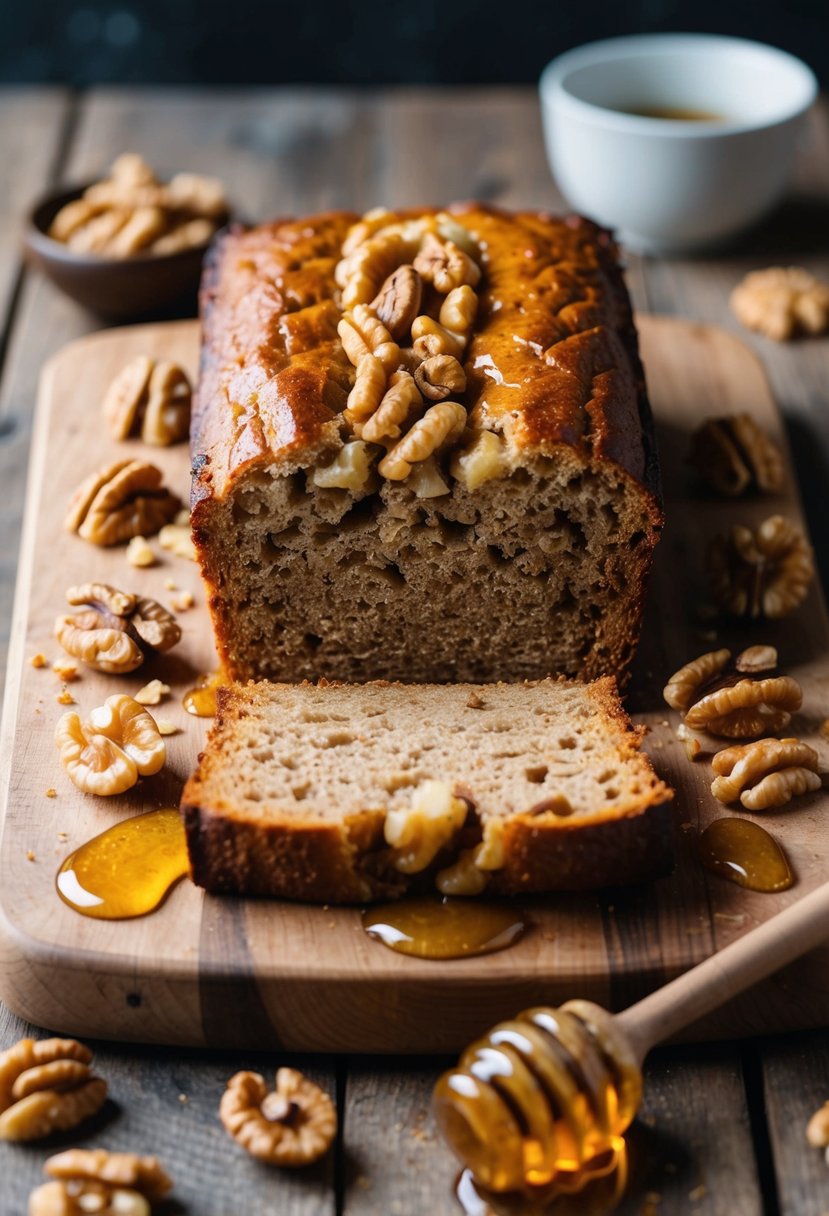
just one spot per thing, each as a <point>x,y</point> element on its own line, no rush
<point>350,793</point>
<point>518,548</point>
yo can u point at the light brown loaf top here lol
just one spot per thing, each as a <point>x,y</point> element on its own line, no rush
<point>338,793</point>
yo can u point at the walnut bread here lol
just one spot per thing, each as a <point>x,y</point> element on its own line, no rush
<point>422,449</point>
<point>342,793</point>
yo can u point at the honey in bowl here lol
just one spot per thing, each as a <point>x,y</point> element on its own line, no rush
<point>672,113</point>
<point>128,870</point>
<point>539,1096</point>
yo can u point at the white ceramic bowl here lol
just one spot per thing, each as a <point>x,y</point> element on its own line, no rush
<point>672,185</point>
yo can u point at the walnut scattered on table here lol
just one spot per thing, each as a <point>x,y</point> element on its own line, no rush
<point>782,302</point>
<point>733,700</point>
<point>765,572</point>
<point>292,1125</point>
<point>149,398</point>
<point>118,743</point>
<point>46,1086</point>
<point>734,456</point>
<point>764,774</point>
<point>119,501</point>
<point>112,630</point>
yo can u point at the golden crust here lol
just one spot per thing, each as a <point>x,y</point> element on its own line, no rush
<point>553,352</point>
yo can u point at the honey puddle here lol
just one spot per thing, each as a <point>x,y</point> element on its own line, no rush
<point>431,927</point>
<point>594,1190</point>
<point>746,854</point>
<point>201,700</point>
<point>127,870</point>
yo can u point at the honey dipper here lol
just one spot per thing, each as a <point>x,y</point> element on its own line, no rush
<point>553,1088</point>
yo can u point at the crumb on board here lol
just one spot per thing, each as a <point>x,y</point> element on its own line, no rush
<point>51,792</point>
<point>473,701</point>
<point>170,584</point>
<point>65,697</point>
<point>183,600</point>
<point>67,670</point>
<point>30,855</point>
<point>39,660</point>
<point>166,727</point>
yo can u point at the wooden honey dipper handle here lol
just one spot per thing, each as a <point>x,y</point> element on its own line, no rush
<point>728,972</point>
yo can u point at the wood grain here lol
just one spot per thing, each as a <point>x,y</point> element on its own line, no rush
<point>306,977</point>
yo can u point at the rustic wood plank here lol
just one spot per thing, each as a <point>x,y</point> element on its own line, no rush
<point>32,126</point>
<point>690,1149</point>
<point>796,1084</point>
<point>166,1102</point>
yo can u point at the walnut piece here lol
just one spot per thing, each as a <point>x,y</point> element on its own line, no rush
<point>363,333</point>
<point>747,709</point>
<point>292,1125</point>
<point>167,409</point>
<point>444,264</point>
<point>782,301</point>
<point>143,1174</point>
<point>367,391</point>
<point>767,773</point>
<point>349,470</point>
<point>440,425</point>
<point>119,501</point>
<point>756,658</point>
<point>684,685</point>
<point>114,630</point>
<point>396,408</point>
<point>152,693</point>
<point>81,1198</point>
<point>439,377</point>
<point>430,338</point>
<point>734,455</point>
<point>361,273</point>
<point>107,754</point>
<point>817,1129</point>
<point>126,395</point>
<point>484,459</point>
<point>140,553</point>
<point>766,573</point>
<point>419,831</point>
<point>398,301</point>
<point>458,311</point>
<point>46,1085</point>
<point>178,539</point>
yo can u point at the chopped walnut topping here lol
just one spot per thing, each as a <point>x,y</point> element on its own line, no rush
<point>292,1125</point>
<point>445,264</point>
<point>764,774</point>
<point>362,271</point>
<point>114,629</point>
<point>119,501</point>
<point>398,301</point>
<point>363,333</point>
<point>781,302</point>
<point>107,754</point>
<point>484,459</point>
<point>439,426</point>
<point>763,573</point>
<point>349,470</point>
<point>430,338</point>
<point>399,403</point>
<point>367,392</point>
<point>46,1085</point>
<point>439,377</point>
<point>734,455</point>
<point>458,310</point>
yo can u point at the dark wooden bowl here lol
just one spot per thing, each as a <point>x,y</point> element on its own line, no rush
<point>118,289</point>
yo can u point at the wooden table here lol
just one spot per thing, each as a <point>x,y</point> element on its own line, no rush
<point>722,1129</point>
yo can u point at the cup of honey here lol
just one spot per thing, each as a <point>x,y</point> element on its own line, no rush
<point>677,141</point>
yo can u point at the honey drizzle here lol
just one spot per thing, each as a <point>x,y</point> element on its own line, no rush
<point>745,853</point>
<point>128,870</point>
<point>431,927</point>
<point>201,699</point>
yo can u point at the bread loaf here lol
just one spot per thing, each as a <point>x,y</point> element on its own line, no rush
<point>519,546</point>
<point>351,793</point>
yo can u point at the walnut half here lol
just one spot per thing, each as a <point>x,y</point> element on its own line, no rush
<point>46,1086</point>
<point>292,1125</point>
<point>782,301</point>
<point>113,630</point>
<point>107,754</point>
<point>715,695</point>
<point>96,1181</point>
<point>762,573</point>
<point>119,501</point>
<point>734,455</point>
<point>764,774</point>
<point>150,399</point>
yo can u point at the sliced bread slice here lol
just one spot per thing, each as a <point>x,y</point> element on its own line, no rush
<point>340,793</point>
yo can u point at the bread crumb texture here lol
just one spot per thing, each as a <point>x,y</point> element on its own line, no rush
<point>298,783</point>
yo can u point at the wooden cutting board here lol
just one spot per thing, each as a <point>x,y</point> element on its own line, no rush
<point>206,970</point>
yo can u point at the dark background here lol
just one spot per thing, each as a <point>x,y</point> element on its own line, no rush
<point>84,42</point>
